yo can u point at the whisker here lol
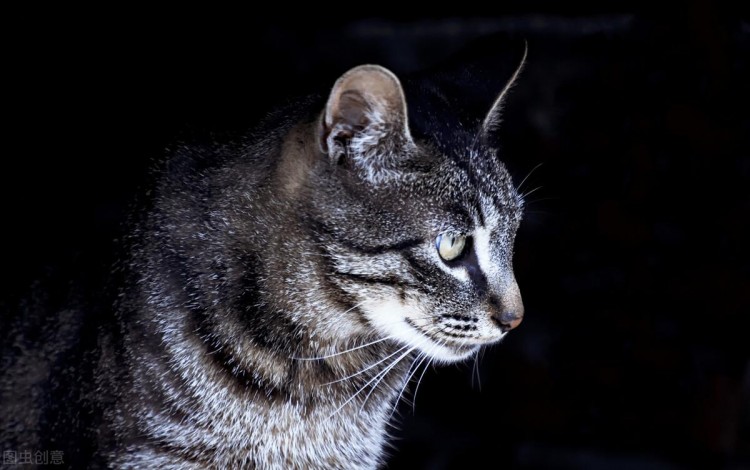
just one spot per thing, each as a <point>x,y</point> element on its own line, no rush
<point>527,177</point>
<point>529,193</point>
<point>358,305</point>
<point>377,376</point>
<point>368,367</point>
<point>343,352</point>
<point>416,389</point>
<point>385,372</point>
<point>392,337</point>
<point>409,374</point>
<point>476,369</point>
<point>421,358</point>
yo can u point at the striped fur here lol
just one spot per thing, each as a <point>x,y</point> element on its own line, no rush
<point>279,290</point>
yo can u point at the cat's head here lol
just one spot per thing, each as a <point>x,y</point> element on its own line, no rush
<point>416,234</point>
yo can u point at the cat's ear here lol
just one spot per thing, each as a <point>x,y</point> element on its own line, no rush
<point>366,110</point>
<point>492,119</point>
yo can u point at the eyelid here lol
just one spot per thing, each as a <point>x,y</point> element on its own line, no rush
<point>455,230</point>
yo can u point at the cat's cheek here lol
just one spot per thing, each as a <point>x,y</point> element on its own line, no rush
<point>389,319</point>
<point>401,322</point>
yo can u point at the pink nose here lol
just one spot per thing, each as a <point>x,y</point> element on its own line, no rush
<point>506,309</point>
<point>508,320</point>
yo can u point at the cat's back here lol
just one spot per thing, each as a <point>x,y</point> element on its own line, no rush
<point>61,338</point>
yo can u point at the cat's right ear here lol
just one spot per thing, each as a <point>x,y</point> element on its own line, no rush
<point>366,110</point>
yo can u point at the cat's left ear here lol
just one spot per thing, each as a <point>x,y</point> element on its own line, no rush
<point>366,110</point>
<point>492,119</point>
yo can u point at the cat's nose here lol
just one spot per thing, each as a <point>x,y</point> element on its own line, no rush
<point>508,320</point>
<point>506,309</point>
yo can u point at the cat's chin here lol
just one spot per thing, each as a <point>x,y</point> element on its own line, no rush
<point>448,354</point>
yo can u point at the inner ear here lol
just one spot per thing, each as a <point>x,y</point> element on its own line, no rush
<point>353,110</point>
<point>364,98</point>
<point>351,117</point>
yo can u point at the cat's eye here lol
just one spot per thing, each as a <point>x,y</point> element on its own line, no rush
<point>450,246</point>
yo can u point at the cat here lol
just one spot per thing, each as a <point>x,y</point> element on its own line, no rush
<point>278,294</point>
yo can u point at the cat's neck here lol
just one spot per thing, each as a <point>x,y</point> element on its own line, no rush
<point>350,371</point>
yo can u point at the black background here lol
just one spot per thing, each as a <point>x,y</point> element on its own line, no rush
<point>632,259</point>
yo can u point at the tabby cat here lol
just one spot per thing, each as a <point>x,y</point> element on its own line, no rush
<point>278,295</point>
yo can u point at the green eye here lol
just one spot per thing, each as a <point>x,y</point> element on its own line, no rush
<point>450,246</point>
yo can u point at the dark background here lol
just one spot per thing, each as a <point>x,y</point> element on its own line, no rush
<point>632,258</point>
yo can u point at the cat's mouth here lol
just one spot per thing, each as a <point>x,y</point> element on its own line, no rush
<point>442,345</point>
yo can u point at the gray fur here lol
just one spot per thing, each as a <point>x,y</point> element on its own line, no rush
<point>254,328</point>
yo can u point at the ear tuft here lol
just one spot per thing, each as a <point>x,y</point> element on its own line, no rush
<point>367,100</point>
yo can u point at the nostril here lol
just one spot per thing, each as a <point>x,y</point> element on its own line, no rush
<point>507,320</point>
